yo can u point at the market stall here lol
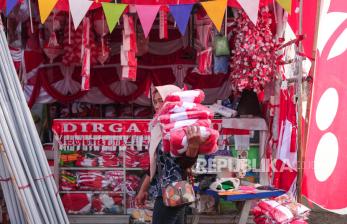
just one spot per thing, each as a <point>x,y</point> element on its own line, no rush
<point>88,71</point>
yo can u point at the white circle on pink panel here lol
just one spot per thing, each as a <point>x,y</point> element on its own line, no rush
<point>327,108</point>
<point>326,156</point>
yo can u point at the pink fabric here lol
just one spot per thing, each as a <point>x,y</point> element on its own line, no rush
<point>168,118</point>
<point>191,96</point>
<point>175,142</point>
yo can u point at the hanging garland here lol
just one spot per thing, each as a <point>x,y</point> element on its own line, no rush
<point>253,61</point>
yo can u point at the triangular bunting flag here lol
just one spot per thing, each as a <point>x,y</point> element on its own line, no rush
<point>10,4</point>
<point>215,10</point>
<point>286,5</point>
<point>45,8</point>
<point>147,14</point>
<point>79,9</point>
<point>251,9</point>
<point>112,13</point>
<point>181,13</point>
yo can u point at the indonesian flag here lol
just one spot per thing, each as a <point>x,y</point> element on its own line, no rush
<point>163,26</point>
<point>85,85</point>
<point>129,73</point>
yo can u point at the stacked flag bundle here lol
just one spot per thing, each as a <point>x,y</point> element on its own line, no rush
<point>183,109</point>
<point>280,210</point>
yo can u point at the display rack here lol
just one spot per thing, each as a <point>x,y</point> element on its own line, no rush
<point>117,136</point>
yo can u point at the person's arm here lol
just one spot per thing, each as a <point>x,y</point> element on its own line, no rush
<point>142,195</point>
<point>145,184</point>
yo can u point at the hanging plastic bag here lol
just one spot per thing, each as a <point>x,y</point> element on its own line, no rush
<point>221,46</point>
<point>221,64</point>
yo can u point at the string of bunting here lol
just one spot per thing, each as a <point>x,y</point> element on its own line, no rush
<point>215,9</point>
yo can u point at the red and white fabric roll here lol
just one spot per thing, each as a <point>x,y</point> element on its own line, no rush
<point>175,142</point>
<point>91,180</point>
<point>86,162</point>
<point>179,107</point>
<point>278,212</point>
<point>77,203</point>
<point>109,159</point>
<point>127,58</point>
<point>115,180</point>
<point>190,96</point>
<point>170,118</point>
<point>181,124</point>
<point>129,73</point>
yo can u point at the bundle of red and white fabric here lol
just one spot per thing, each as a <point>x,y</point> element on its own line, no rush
<point>68,181</point>
<point>281,210</point>
<point>109,159</point>
<point>91,180</point>
<point>87,160</point>
<point>135,158</point>
<point>183,109</point>
<point>143,159</point>
<point>128,49</point>
<point>107,203</point>
<point>132,158</point>
<point>77,203</point>
<point>132,183</point>
<point>115,180</point>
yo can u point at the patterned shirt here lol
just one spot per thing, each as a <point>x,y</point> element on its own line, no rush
<point>170,172</point>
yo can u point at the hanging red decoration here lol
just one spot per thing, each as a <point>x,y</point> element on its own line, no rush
<point>52,49</point>
<point>253,61</point>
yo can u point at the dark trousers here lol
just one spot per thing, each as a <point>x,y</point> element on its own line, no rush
<point>167,215</point>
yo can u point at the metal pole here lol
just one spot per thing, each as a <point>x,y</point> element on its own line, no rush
<point>299,107</point>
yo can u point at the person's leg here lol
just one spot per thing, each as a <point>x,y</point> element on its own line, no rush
<point>167,215</point>
<point>180,215</point>
<point>156,211</point>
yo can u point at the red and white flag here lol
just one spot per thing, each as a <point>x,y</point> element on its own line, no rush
<point>325,166</point>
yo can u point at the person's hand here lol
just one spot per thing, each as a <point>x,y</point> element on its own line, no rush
<point>194,140</point>
<point>141,198</point>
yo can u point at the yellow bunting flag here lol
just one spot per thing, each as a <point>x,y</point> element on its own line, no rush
<point>215,10</point>
<point>45,8</point>
<point>286,5</point>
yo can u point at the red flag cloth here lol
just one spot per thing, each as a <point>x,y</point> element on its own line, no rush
<point>283,176</point>
<point>325,156</point>
<point>309,23</point>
